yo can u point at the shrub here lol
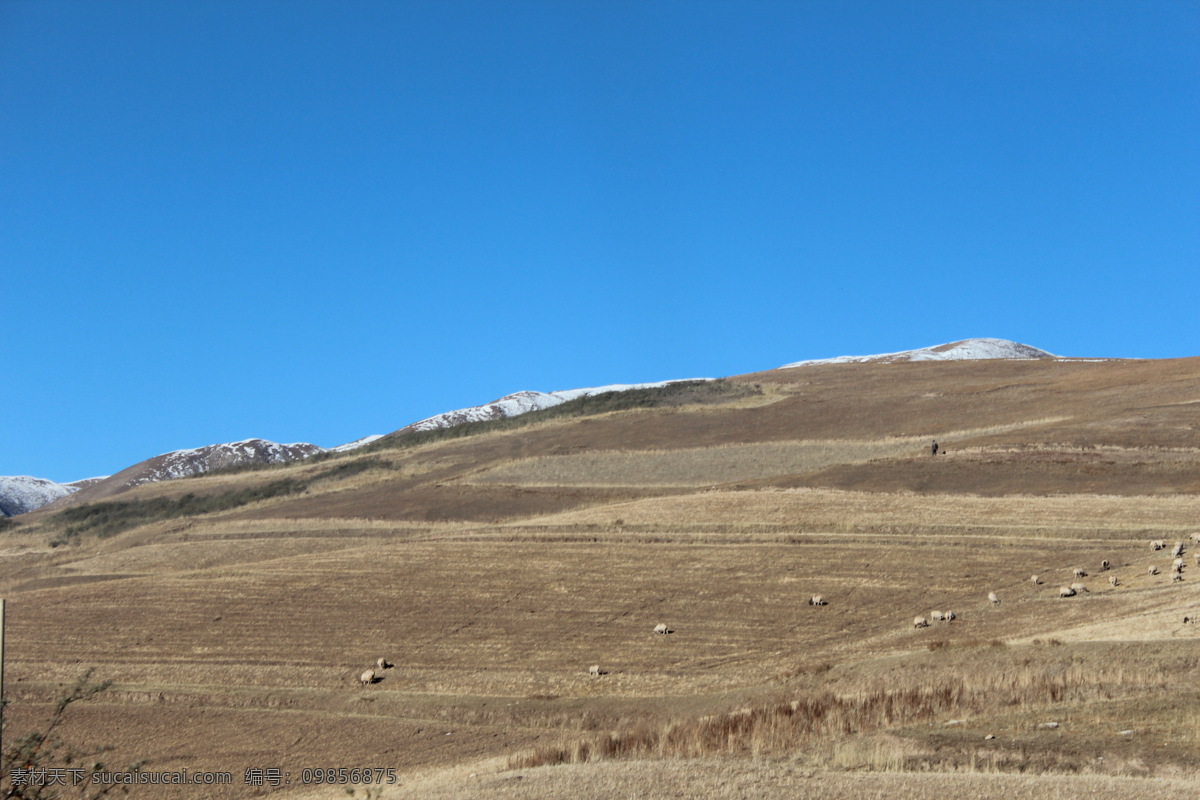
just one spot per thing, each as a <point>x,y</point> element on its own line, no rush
<point>31,758</point>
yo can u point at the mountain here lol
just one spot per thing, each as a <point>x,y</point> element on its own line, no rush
<point>182,463</point>
<point>512,405</point>
<point>21,493</point>
<point>965,350</point>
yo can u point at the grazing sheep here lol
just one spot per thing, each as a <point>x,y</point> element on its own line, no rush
<point>993,599</point>
<point>950,616</point>
<point>1104,565</point>
<point>937,616</point>
<point>367,677</point>
<point>661,628</point>
<point>383,664</point>
<point>1066,591</point>
<point>594,670</point>
<point>1177,564</point>
<point>1177,550</point>
<point>1152,571</point>
<point>1035,580</point>
<point>1079,587</point>
<point>1112,581</point>
<point>1176,576</point>
<point>920,622</point>
<point>817,600</point>
<point>1080,572</point>
<point>1158,544</point>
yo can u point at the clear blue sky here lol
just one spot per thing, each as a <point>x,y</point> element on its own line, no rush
<point>313,221</point>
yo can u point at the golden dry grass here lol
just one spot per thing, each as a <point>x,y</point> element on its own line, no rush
<point>235,638</point>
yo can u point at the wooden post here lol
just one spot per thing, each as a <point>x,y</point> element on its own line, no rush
<point>1,685</point>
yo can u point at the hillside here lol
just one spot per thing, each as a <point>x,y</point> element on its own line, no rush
<point>495,562</point>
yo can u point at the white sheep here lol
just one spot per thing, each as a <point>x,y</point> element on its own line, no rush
<point>1198,559</point>
<point>1152,571</point>
<point>1176,576</point>
<point>594,670</point>
<point>1158,544</point>
<point>1104,565</point>
<point>1035,580</point>
<point>920,622</point>
<point>1080,572</point>
<point>993,599</point>
<point>367,677</point>
<point>1177,564</point>
<point>1066,591</point>
<point>661,628</point>
<point>1079,587</point>
<point>1177,550</point>
<point>950,616</point>
<point>382,664</point>
<point>1112,581</point>
<point>937,616</point>
<point>817,600</point>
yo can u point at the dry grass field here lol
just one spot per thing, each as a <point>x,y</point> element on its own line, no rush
<point>493,570</point>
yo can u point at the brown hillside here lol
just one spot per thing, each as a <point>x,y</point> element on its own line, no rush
<point>234,612</point>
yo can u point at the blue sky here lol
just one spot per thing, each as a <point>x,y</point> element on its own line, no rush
<point>313,221</point>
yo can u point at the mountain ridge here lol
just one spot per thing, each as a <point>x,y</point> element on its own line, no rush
<point>191,461</point>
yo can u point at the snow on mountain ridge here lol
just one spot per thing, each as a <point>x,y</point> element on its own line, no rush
<point>20,494</point>
<point>517,403</point>
<point>964,350</point>
<point>182,463</point>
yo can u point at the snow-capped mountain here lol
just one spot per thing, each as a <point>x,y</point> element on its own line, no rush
<point>182,463</point>
<point>193,461</point>
<point>965,350</point>
<point>357,443</point>
<point>522,403</point>
<point>20,494</point>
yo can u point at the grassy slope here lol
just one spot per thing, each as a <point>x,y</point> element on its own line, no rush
<point>494,569</point>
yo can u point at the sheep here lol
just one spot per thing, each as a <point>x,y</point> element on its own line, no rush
<point>920,622</point>
<point>1066,591</point>
<point>1080,572</point>
<point>1152,571</point>
<point>1112,581</point>
<point>1158,544</point>
<point>367,677</point>
<point>382,664</point>
<point>950,616</point>
<point>1177,550</point>
<point>1035,580</point>
<point>937,616</point>
<point>817,600</point>
<point>993,599</point>
<point>1079,587</point>
<point>661,628</point>
<point>595,671</point>
<point>1176,576</point>
<point>1104,565</point>
<point>1177,564</point>
<point>1198,559</point>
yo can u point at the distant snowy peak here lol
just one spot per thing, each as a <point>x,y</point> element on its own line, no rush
<point>518,403</point>
<point>965,350</point>
<point>182,463</point>
<point>357,443</point>
<point>20,494</point>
